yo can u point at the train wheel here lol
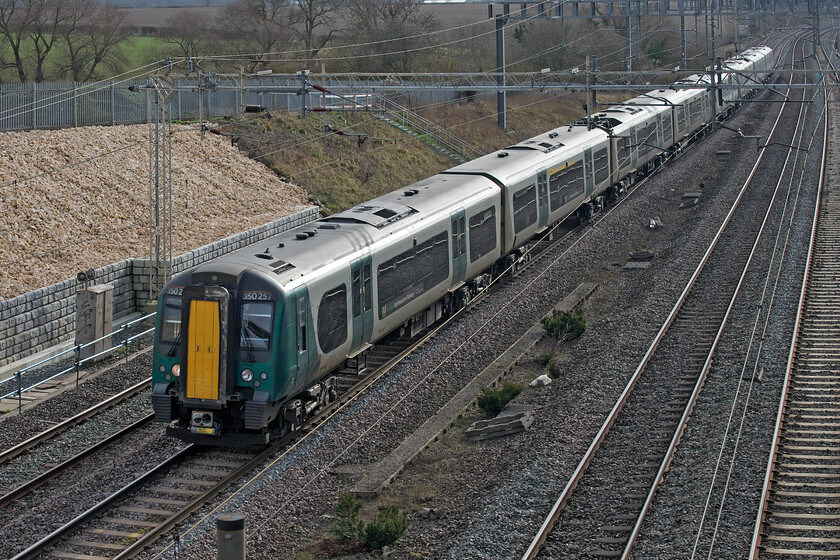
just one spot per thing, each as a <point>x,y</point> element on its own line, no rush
<point>585,212</point>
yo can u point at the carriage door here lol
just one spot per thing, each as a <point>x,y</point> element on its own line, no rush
<point>459,247</point>
<point>303,335</point>
<point>542,197</point>
<point>634,147</point>
<point>204,314</point>
<point>360,273</point>
<point>588,171</point>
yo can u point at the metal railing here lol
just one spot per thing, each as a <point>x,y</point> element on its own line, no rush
<point>78,361</point>
<point>430,132</point>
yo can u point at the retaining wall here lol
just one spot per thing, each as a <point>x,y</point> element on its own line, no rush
<point>44,317</point>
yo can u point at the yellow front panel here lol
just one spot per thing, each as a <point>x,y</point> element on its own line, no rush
<point>203,358</point>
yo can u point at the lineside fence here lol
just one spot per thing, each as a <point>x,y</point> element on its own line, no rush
<point>52,105</point>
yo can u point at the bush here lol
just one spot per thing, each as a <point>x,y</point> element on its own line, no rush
<point>348,526</point>
<point>493,402</point>
<point>563,325</point>
<point>547,358</point>
<point>554,369</point>
<point>388,526</point>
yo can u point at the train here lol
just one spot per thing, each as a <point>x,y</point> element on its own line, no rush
<point>247,346</point>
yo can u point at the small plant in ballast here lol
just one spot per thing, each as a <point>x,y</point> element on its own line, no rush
<point>387,526</point>
<point>563,325</point>
<point>547,357</point>
<point>493,401</point>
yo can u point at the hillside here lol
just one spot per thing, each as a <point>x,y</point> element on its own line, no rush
<point>338,171</point>
<point>78,198</point>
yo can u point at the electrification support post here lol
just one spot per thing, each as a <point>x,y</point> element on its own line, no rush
<point>628,45</point>
<point>588,93</point>
<point>500,69</point>
<point>160,187</point>
<point>681,8</point>
<point>714,50</point>
<point>639,29</point>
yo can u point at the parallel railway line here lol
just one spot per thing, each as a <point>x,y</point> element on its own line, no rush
<point>798,512</point>
<point>622,477</point>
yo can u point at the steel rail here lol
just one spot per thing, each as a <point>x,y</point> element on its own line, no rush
<point>780,415</point>
<point>75,420</point>
<point>34,483</point>
<point>545,529</point>
<point>35,550</point>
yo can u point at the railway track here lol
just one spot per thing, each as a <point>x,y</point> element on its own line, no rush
<point>798,509</point>
<point>146,509</point>
<point>603,506</point>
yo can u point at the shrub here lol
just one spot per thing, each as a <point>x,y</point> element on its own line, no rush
<point>493,401</point>
<point>563,325</point>
<point>554,369</point>
<point>546,358</point>
<point>387,526</point>
<point>348,526</point>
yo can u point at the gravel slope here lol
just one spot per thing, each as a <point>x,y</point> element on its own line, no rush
<point>78,198</point>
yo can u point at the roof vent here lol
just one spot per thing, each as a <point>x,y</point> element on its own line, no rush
<point>502,154</point>
<point>265,256</point>
<point>385,213</point>
<point>301,235</point>
<point>310,232</point>
<point>280,266</point>
<point>410,192</point>
<point>553,134</point>
<point>329,226</point>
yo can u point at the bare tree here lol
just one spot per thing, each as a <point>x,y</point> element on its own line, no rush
<point>15,23</point>
<point>190,31</point>
<point>91,37</point>
<point>307,17</point>
<point>395,27</point>
<point>258,28</point>
<point>48,17</point>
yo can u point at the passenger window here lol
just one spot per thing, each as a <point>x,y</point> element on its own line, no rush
<point>170,331</point>
<point>411,273</point>
<point>332,319</point>
<point>524,208</point>
<point>482,233</point>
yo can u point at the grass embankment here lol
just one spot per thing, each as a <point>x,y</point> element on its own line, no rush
<point>339,171</point>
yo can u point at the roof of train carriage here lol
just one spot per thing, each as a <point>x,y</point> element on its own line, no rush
<point>299,251</point>
<point>511,164</point>
<point>627,114</point>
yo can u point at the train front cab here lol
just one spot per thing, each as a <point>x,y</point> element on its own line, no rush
<point>224,359</point>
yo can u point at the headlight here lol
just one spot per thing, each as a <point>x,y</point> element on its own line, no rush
<point>247,375</point>
<point>176,370</point>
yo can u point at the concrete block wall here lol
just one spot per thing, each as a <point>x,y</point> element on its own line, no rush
<point>44,317</point>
